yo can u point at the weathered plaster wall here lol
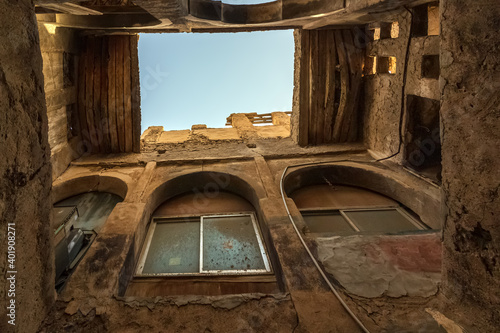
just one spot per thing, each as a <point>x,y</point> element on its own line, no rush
<point>242,131</point>
<point>470,112</point>
<point>94,297</point>
<point>25,170</point>
<point>383,92</point>
<point>60,52</point>
<point>91,298</point>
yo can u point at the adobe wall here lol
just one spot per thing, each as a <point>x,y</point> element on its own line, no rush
<point>386,95</point>
<point>96,298</point>
<point>60,52</point>
<point>26,171</point>
<point>470,110</point>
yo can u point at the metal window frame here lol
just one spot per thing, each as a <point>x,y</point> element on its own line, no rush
<point>342,212</point>
<point>176,219</point>
<point>399,209</point>
<point>327,212</point>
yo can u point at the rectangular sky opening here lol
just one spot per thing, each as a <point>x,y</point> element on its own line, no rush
<point>202,78</point>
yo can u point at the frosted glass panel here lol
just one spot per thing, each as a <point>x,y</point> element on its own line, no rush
<point>388,220</point>
<point>230,243</point>
<point>328,222</point>
<point>174,248</point>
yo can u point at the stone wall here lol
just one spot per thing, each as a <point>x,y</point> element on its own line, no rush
<point>470,111</point>
<point>243,130</point>
<point>25,169</point>
<point>96,296</point>
<point>383,91</point>
<point>389,109</point>
<point>60,52</point>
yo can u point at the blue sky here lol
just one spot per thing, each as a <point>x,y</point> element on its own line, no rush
<point>201,78</point>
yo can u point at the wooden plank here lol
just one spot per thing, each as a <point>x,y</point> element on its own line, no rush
<point>112,124</point>
<point>84,129</point>
<point>127,97</point>
<point>321,87</point>
<point>104,96</point>
<point>355,67</point>
<point>96,107</point>
<point>304,89</point>
<point>69,8</point>
<point>119,93</point>
<point>313,87</point>
<point>330,70</point>
<point>136,94</point>
<point>345,87</point>
<point>147,288</point>
<point>89,93</point>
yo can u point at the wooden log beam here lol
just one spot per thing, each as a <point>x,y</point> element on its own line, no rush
<point>127,95</point>
<point>113,128</point>
<point>68,8</point>
<point>329,92</point>
<point>136,94</point>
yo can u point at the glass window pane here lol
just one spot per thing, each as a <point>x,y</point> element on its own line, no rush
<point>387,220</point>
<point>230,243</point>
<point>328,222</point>
<point>174,248</point>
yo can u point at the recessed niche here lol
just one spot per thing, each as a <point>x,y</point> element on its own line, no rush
<point>423,142</point>
<point>72,121</point>
<point>369,65</point>
<point>425,20</point>
<point>383,30</point>
<point>430,66</point>
<point>395,29</point>
<point>68,70</point>
<point>386,65</point>
<point>433,19</point>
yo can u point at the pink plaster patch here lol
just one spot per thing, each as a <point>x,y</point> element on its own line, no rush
<point>413,253</point>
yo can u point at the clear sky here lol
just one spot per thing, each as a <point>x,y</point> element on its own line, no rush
<point>201,78</point>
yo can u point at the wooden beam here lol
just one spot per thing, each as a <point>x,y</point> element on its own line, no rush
<point>120,114</point>
<point>113,133</point>
<point>104,95</point>
<point>96,107</point>
<point>303,139</point>
<point>313,87</point>
<point>127,95</point>
<point>345,87</point>
<point>89,92</point>
<point>136,94</point>
<point>84,129</point>
<point>68,8</point>
<point>330,70</point>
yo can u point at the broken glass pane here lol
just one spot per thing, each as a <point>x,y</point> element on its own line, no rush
<point>230,243</point>
<point>174,248</point>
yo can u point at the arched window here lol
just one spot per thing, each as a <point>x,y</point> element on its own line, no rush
<point>77,221</point>
<point>204,234</point>
<point>347,210</point>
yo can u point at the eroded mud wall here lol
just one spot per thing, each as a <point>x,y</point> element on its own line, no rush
<point>470,110</point>
<point>25,169</point>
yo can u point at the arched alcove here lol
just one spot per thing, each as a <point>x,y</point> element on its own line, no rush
<point>81,207</point>
<point>204,184</point>
<point>420,197</point>
<point>89,183</point>
<point>204,226</point>
<point>355,218</point>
